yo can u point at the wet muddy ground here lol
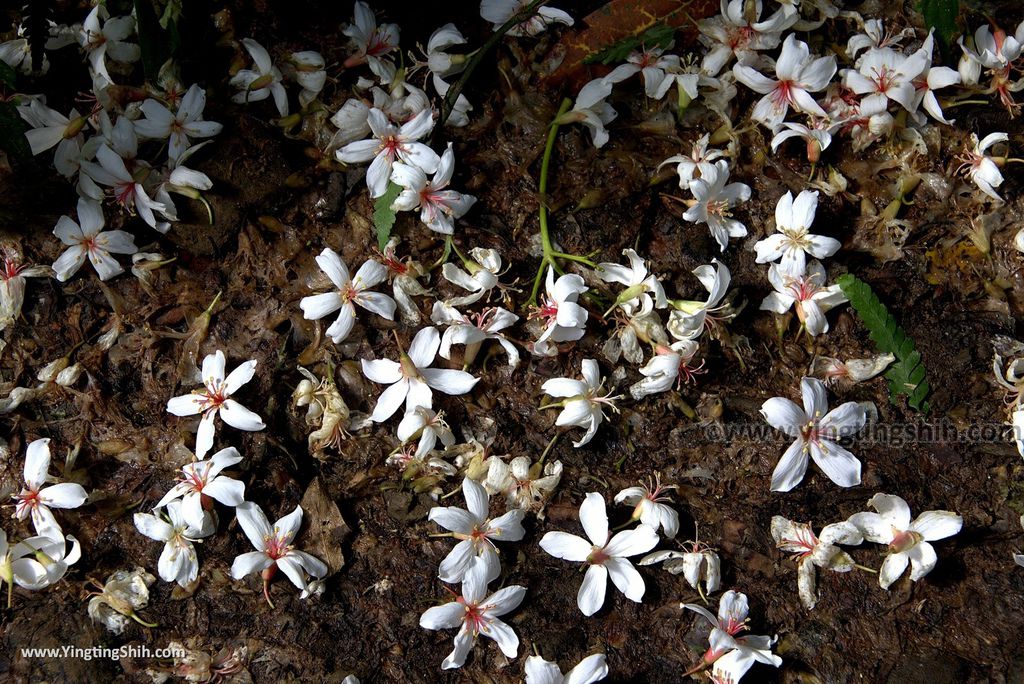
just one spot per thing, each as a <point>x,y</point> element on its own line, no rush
<point>275,212</point>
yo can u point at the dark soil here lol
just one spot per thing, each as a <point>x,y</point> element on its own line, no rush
<point>275,212</point>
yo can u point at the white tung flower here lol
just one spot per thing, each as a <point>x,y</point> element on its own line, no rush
<point>816,430</point>
<point>36,500</point>
<point>177,127</point>
<point>479,277</point>
<point>735,33</point>
<point>696,164</point>
<point>797,76</point>
<point>108,39</point>
<point>178,561</point>
<point>564,319</point>
<point>261,82</point>
<point>438,206</point>
<point>907,541</point>
<point>87,240</point>
<point>591,110</point>
<point>129,193</point>
<point>476,613</point>
<point>793,241</point>
<point>525,486</point>
<point>731,653</point>
<point>884,75</point>
<point>606,555</point>
<point>275,550</point>
<point>648,507</point>
<point>37,562</point>
<point>214,398</point>
<point>473,330</point>
<point>700,566</point>
<point>668,368</point>
<point>593,668</point>
<point>813,551</point>
<point>373,44</point>
<point>651,64</point>
<point>499,11</point>
<point>690,317</point>
<point>429,426</point>
<point>807,292</point>
<point>980,167</point>
<point>714,201</point>
<point>411,377</point>
<point>476,533</point>
<point>643,292</point>
<point>350,291</point>
<point>583,405</point>
<point>389,143</point>
<point>12,284</point>
<point>201,484</point>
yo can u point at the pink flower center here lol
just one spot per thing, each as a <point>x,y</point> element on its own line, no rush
<point>27,501</point>
<point>548,311</point>
<point>11,268</point>
<point>276,547</point>
<point>904,540</point>
<point>598,556</point>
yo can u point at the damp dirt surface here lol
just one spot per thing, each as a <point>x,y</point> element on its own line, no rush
<point>275,208</point>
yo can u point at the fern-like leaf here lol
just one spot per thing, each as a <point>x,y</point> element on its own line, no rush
<point>908,375</point>
<point>659,36</point>
<point>384,215</point>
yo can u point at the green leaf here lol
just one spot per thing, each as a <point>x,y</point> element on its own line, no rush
<point>907,375</point>
<point>941,15</point>
<point>659,35</point>
<point>384,215</point>
<point>152,42</point>
<point>7,75</point>
<point>12,132</point>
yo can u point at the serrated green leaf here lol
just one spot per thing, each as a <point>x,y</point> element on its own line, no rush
<point>659,35</point>
<point>383,215</point>
<point>907,375</point>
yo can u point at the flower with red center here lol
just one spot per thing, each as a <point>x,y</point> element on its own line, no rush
<point>669,368</point>
<point>215,398</point>
<point>108,39</point>
<point>474,330</point>
<point>36,500</point>
<point>797,76</point>
<point>475,614</point>
<point>563,318</point>
<point>815,429</point>
<point>274,550</point>
<point>606,555</point>
<point>729,651</point>
<point>649,508</point>
<point>477,534</point>
<point>691,317</point>
<point>807,293</point>
<point>372,43</point>
<point>812,551</point>
<point>651,64</point>
<point>884,75</point>
<point>907,540</point>
<point>12,285</point>
<point>350,291</point>
<point>86,240</point>
<point>201,483</point>
<point>737,33</point>
<point>438,206</point>
<point>389,143</point>
<point>112,172</point>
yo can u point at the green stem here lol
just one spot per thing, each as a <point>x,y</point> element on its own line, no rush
<point>456,89</point>
<point>545,235</point>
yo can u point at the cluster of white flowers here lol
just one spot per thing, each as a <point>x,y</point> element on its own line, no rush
<point>99,150</point>
<point>186,514</point>
<point>907,542</point>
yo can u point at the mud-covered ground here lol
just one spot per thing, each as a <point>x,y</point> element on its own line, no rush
<point>275,211</point>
